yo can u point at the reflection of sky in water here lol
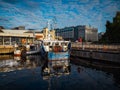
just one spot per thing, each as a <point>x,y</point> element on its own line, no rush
<point>79,78</point>
<point>17,63</point>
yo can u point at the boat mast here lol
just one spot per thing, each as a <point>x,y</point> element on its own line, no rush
<point>55,24</point>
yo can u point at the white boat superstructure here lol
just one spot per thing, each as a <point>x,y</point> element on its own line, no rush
<point>55,45</point>
<point>28,48</point>
<point>56,49</point>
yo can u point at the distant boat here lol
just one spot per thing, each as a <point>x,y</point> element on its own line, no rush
<point>34,49</point>
<point>27,49</point>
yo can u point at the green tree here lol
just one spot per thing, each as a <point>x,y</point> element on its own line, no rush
<point>112,34</point>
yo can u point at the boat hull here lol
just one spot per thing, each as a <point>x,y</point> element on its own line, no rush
<point>58,55</point>
<point>17,53</point>
<point>27,53</point>
<point>32,52</point>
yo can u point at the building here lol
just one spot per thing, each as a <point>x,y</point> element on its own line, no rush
<point>19,28</point>
<point>10,37</point>
<point>67,33</point>
<point>87,33</point>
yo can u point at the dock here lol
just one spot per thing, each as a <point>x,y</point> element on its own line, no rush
<point>95,47</point>
<point>104,53</point>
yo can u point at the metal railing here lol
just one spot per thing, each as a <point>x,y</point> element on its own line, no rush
<point>84,46</point>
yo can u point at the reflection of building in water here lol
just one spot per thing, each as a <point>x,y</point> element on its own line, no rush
<point>14,64</point>
<point>6,57</point>
<point>55,68</point>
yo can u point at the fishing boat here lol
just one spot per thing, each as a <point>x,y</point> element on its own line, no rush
<point>28,49</point>
<point>17,51</point>
<point>33,49</point>
<point>55,49</point>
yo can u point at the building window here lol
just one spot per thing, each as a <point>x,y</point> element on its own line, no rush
<point>7,40</point>
<point>1,40</point>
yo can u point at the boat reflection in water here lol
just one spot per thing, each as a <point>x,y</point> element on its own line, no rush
<point>19,63</point>
<point>56,68</point>
<point>35,73</point>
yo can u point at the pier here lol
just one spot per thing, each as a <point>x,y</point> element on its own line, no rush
<point>109,53</point>
<point>96,47</point>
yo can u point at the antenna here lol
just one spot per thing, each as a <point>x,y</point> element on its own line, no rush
<point>48,24</point>
<point>54,22</point>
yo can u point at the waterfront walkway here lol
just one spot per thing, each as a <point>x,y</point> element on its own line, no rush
<point>104,53</point>
<point>95,47</point>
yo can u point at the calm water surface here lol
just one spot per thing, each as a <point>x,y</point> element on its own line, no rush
<point>30,73</point>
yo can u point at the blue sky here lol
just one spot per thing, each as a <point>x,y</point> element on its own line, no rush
<point>34,14</point>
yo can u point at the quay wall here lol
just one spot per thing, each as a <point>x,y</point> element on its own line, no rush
<point>6,49</point>
<point>97,47</point>
<point>100,53</point>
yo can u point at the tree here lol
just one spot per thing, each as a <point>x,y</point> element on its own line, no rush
<point>112,34</point>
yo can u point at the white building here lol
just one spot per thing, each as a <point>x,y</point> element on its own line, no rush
<point>88,33</point>
<point>74,33</point>
<point>10,37</point>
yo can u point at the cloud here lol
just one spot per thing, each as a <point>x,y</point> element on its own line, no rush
<point>35,13</point>
<point>11,1</point>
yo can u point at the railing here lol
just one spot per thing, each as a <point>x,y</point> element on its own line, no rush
<point>84,46</point>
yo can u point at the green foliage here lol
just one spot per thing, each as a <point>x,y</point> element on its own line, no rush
<point>112,34</point>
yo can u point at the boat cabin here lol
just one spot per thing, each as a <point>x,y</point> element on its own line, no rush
<point>56,46</point>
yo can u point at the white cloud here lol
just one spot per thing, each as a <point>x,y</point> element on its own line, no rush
<point>74,12</point>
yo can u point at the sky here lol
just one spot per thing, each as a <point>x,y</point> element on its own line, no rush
<point>34,14</point>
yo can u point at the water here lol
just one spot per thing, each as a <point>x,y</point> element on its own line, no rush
<point>33,73</point>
